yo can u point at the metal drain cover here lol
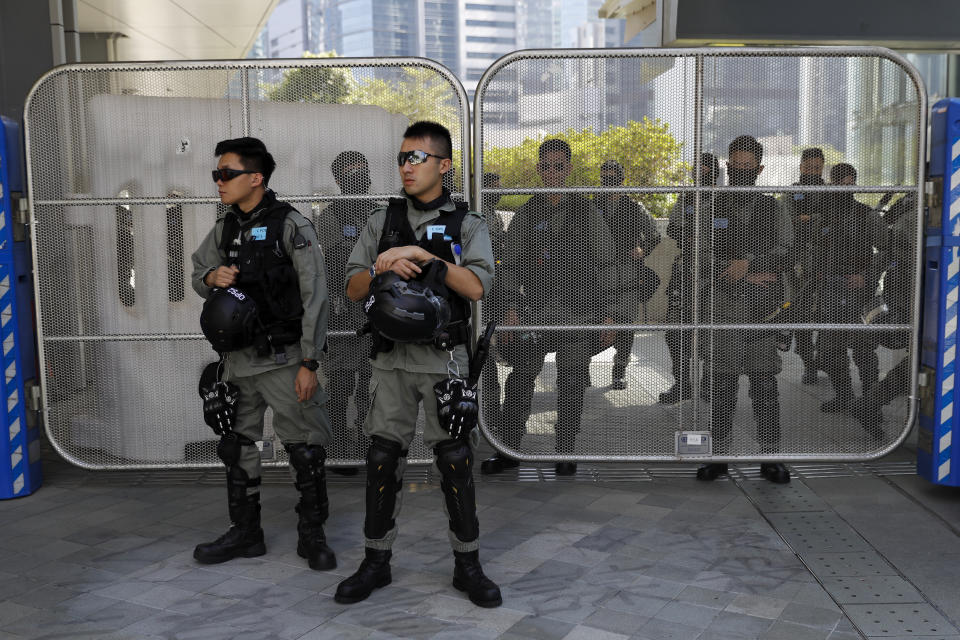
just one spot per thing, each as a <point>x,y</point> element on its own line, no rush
<point>871,590</point>
<point>892,620</point>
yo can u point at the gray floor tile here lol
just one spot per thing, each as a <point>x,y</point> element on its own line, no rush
<point>783,630</point>
<point>540,628</point>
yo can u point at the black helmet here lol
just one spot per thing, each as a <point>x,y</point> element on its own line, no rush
<point>229,319</point>
<point>405,310</point>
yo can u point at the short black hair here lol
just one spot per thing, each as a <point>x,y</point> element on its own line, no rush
<point>842,170</point>
<point>812,152</point>
<point>748,144</point>
<point>253,155</point>
<point>616,167</point>
<point>436,132</point>
<point>489,178</point>
<point>555,144</point>
<point>345,159</point>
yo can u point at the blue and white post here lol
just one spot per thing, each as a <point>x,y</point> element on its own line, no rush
<point>937,459</point>
<point>19,442</point>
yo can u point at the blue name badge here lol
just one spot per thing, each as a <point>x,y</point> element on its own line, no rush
<point>721,223</point>
<point>258,233</point>
<point>349,231</point>
<point>435,228</point>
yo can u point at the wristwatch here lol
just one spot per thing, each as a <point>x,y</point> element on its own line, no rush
<point>372,271</point>
<point>309,363</point>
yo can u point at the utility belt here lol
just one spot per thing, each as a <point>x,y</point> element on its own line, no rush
<point>456,333</point>
<point>274,339</point>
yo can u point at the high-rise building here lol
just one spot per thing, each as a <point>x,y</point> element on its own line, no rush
<point>295,27</point>
<point>490,31</point>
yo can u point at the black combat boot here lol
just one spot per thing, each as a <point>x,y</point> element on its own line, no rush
<point>314,507</point>
<point>468,576</point>
<point>497,463</point>
<point>244,539</point>
<point>374,572</point>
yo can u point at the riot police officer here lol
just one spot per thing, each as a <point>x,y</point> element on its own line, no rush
<point>681,227</point>
<point>422,234</point>
<point>752,239</point>
<point>807,211</point>
<point>559,254</point>
<point>346,365</point>
<point>849,279</point>
<point>264,252</point>
<point>634,235</point>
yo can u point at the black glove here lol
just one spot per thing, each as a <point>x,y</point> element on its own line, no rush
<point>457,407</point>
<point>219,400</point>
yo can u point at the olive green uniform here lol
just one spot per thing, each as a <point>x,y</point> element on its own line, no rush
<point>403,378</point>
<point>261,379</point>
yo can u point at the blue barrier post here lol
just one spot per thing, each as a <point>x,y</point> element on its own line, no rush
<point>19,443</point>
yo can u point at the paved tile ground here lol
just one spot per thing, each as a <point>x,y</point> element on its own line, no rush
<point>108,556</point>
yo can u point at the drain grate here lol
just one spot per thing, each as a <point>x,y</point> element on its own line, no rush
<point>893,620</point>
<point>859,564</point>
<point>794,497</point>
<point>872,590</point>
<point>812,531</point>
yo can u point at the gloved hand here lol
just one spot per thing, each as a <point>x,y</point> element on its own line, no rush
<point>457,407</point>
<point>219,400</point>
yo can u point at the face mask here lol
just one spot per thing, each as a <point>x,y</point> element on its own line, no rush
<point>742,177</point>
<point>355,181</point>
<point>811,179</point>
<point>608,180</point>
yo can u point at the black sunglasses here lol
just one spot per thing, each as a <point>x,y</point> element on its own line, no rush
<point>415,157</point>
<point>225,175</point>
<point>556,166</point>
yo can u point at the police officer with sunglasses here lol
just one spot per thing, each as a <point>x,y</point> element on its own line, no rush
<point>265,250</point>
<point>420,234</point>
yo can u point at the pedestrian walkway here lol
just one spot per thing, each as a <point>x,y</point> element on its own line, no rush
<point>619,551</point>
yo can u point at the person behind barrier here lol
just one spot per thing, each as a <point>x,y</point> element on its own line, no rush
<point>558,269</point>
<point>418,264</point>
<point>752,239</point>
<point>807,210</point>
<point>894,306</point>
<point>634,235</point>
<point>681,227</point>
<point>490,395</point>
<point>345,364</point>
<point>264,255</point>
<point>849,276</point>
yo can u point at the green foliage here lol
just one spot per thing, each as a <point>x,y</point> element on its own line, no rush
<point>419,94</point>
<point>647,150</point>
<point>312,84</point>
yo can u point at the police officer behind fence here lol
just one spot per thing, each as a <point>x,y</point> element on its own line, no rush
<point>680,228</point>
<point>266,312</point>
<point>808,211</point>
<point>752,238</point>
<point>559,254</point>
<point>849,279</point>
<point>422,236</point>
<point>346,364</point>
<point>634,235</point>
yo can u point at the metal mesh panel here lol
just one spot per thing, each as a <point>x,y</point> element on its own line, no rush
<point>660,303</point>
<point>119,160</point>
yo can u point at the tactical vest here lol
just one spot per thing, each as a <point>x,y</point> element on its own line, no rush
<point>442,239</point>
<point>734,238</point>
<point>557,268</point>
<point>266,274</point>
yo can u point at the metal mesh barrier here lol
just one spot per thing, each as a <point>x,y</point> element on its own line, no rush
<point>119,160</point>
<point>703,254</point>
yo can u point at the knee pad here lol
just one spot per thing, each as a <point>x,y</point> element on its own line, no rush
<point>306,458</point>
<point>455,460</point>
<point>229,447</point>
<point>383,484</point>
